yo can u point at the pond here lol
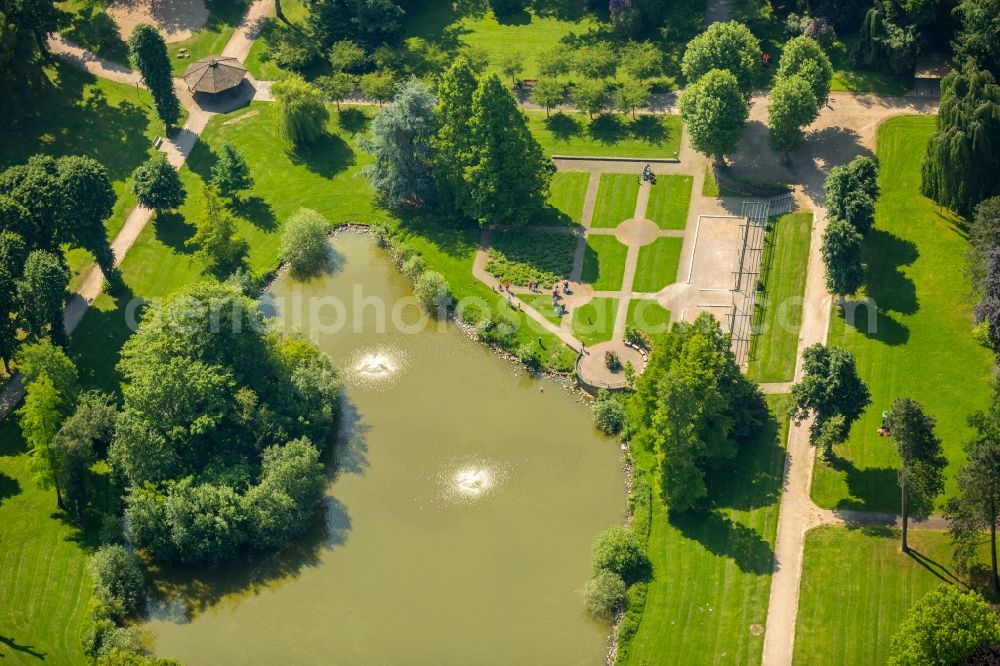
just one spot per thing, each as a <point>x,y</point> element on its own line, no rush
<point>457,526</point>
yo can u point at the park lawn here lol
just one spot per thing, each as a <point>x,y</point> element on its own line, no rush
<point>566,196</point>
<point>223,17</point>
<point>594,322</point>
<point>259,62</point>
<point>923,347</point>
<point>669,201</point>
<point>44,583</point>
<point>657,265</point>
<point>616,199</point>
<point>604,263</point>
<point>542,303</point>
<point>778,317</point>
<point>607,135</point>
<point>850,619</point>
<point>707,602</point>
<point>648,316</point>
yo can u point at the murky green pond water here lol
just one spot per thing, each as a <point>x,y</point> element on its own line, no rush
<point>457,528</point>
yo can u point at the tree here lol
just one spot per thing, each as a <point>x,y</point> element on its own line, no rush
<point>944,627</point>
<point>851,192</point>
<point>963,154</point>
<point>618,550</point>
<point>303,113</point>
<point>830,388</point>
<point>555,62</point>
<point>842,258</point>
<point>432,292</point>
<point>73,448</point>
<point>304,243</point>
<point>802,56</point>
<point>792,106</point>
<point>119,582</point>
<point>401,146</point>
<point>337,87</point>
<point>512,64</point>
<point>368,22</point>
<point>977,507</point>
<point>453,147</point>
<point>41,295</point>
<point>726,46</point>
<point>548,93</point>
<point>347,56</point>
<point>230,173</point>
<point>604,594</point>
<point>24,30</point>
<point>988,307</point>
<point>157,185</point>
<point>34,188</point>
<point>886,42</point>
<point>642,60</point>
<point>509,175</point>
<point>378,86</point>
<point>591,95</point>
<point>715,113</point>
<point>630,96</point>
<point>596,61</point>
<point>215,237</point>
<point>984,235</point>
<point>13,253</point>
<point>43,358</point>
<point>148,52</point>
<point>693,407</point>
<point>921,473</point>
<point>608,413</point>
<point>89,199</point>
<point>979,36</point>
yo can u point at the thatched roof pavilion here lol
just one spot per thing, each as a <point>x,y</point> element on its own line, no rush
<point>214,74</point>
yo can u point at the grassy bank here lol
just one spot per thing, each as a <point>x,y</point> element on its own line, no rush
<point>920,343</point>
<point>607,135</point>
<point>779,307</point>
<point>707,602</point>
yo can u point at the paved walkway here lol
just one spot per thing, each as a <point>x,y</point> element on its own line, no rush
<point>176,148</point>
<point>845,128</point>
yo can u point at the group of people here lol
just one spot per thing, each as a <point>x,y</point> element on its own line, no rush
<point>648,175</point>
<point>534,286</point>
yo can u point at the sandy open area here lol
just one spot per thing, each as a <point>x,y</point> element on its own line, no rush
<point>176,19</point>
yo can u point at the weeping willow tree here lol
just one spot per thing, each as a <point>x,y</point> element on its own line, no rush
<point>963,154</point>
<point>885,43</point>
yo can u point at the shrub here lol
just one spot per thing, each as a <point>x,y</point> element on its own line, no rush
<point>612,360</point>
<point>529,355</point>
<point>619,551</point>
<point>637,337</point>
<point>119,583</point>
<point>604,594</point>
<point>304,243</point>
<point>102,636</point>
<point>413,266</point>
<point>608,413</point>
<point>432,292</point>
<point>981,334</point>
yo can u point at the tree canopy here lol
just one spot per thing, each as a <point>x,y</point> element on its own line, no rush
<point>148,52</point>
<point>963,154</point>
<point>303,113</point>
<point>842,258</point>
<point>792,106</point>
<point>304,243</point>
<point>803,56</point>
<point>728,46</point>
<point>214,406</point>
<point>157,185</point>
<point>830,389</point>
<point>943,628</point>
<point>715,113</point>
<point>921,474</point>
<point>851,192</point>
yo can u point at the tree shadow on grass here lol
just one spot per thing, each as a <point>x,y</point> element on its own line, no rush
<point>608,128</point>
<point>870,488</point>
<point>649,128</point>
<point>173,231</point>
<point>353,120</point>
<point>885,253</point>
<point>563,127</point>
<point>328,156</point>
<point>256,210</point>
<point>870,321</point>
<point>453,237</point>
<point>761,463</point>
<point>591,266</point>
<point>9,487</point>
<point>97,341</point>
<point>723,536</point>
<point>19,647</point>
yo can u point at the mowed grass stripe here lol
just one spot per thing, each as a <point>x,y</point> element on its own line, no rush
<point>604,263</point>
<point>616,199</point>
<point>657,266</point>
<point>669,201</point>
<point>850,619</point>
<point>780,317</point>
<point>707,603</point>
<point>923,347</point>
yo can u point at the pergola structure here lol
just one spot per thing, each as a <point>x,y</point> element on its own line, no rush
<point>214,74</point>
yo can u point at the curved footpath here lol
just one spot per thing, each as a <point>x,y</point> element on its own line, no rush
<point>845,128</point>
